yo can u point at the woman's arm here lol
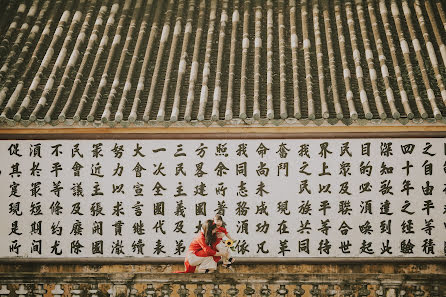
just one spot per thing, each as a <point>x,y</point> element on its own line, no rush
<point>207,249</point>
<point>229,237</point>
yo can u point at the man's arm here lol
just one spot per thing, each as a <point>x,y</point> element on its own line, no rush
<point>207,249</point>
<point>229,237</point>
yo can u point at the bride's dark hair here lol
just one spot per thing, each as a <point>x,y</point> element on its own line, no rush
<point>209,237</point>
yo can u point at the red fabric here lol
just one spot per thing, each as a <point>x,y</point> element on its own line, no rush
<point>199,247</point>
<point>188,268</point>
<point>202,253</point>
<point>222,230</point>
<point>214,246</point>
<point>199,243</point>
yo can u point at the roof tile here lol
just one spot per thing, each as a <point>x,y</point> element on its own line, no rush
<point>227,61</point>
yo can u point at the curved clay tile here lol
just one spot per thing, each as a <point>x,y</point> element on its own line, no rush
<point>382,62</point>
<point>430,50</point>
<point>405,49</point>
<point>194,68</point>
<point>111,54</point>
<point>60,61</point>
<point>230,95</point>
<point>395,63</point>
<point>75,54</point>
<point>176,33</point>
<point>319,58</point>
<point>16,67</point>
<point>45,62</point>
<point>31,64</point>
<point>183,61</point>
<point>357,59</point>
<point>207,65</point>
<point>245,48</point>
<point>117,79</point>
<point>80,73</point>
<point>5,43</point>
<point>372,72</point>
<point>6,12</point>
<point>441,13</point>
<point>294,61</point>
<point>221,40</point>
<point>274,62</point>
<point>269,60</point>
<point>128,82</point>
<point>23,31</point>
<point>436,31</point>
<point>283,103</point>
<point>164,37</point>
<point>345,68</point>
<point>147,55</point>
<point>307,59</point>
<point>331,61</point>
<point>420,60</point>
<point>257,55</point>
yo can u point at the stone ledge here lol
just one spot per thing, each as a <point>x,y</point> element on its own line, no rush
<point>226,278</point>
<point>241,260</point>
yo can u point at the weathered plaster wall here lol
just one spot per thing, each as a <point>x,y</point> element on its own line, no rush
<point>241,268</point>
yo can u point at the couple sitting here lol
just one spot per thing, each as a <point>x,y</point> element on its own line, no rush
<point>208,248</point>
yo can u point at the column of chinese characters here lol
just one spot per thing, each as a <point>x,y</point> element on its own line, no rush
<point>280,198</point>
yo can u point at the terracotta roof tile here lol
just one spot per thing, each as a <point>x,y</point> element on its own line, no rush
<point>221,60</point>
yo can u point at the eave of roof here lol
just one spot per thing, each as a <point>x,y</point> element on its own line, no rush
<point>181,63</point>
<point>249,122</point>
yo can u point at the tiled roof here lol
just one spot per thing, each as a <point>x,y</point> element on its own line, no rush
<point>157,61</point>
